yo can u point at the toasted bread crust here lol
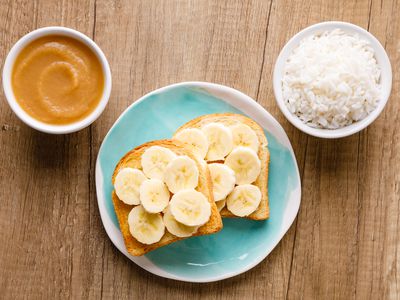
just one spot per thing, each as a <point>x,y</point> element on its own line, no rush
<point>230,119</point>
<point>133,159</point>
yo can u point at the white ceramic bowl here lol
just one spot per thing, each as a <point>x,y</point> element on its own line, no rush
<point>26,118</point>
<point>382,60</point>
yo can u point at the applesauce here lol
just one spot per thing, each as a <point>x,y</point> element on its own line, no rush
<point>57,80</point>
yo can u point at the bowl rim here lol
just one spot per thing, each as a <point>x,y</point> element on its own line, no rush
<point>22,114</point>
<point>382,60</point>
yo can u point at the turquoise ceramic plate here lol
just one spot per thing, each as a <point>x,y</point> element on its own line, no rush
<point>241,244</point>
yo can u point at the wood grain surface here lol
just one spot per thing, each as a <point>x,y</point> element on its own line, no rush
<point>345,242</point>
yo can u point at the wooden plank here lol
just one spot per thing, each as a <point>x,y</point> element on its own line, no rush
<point>325,250</point>
<point>378,263</point>
<point>151,44</point>
<point>44,180</point>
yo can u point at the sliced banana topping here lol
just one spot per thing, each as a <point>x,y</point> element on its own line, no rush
<point>223,179</point>
<point>145,227</point>
<point>220,141</point>
<point>154,195</point>
<point>244,200</point>
<point>154,161</point>
<point>245,163</point>
<point>190,208</point>
<point>244,136</point>
<point>181,173</point>
<point>176,228</point>
<point>196,139</point>
<point>221,204</point>
<point>127,183</point>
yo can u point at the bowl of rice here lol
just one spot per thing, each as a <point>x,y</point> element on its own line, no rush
<point>332,79</point>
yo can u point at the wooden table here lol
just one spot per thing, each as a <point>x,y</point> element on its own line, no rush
<point>345,241</point>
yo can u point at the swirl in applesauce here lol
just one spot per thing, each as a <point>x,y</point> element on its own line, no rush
<point>57,80</point>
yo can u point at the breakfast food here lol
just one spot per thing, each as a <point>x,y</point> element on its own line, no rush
<point>181,174</point>
<point>57,80</point>
<point>196,139</point>
<point>331,80</point>
<point>127,184</point>
<point>243,200</point>
<point>223,179</point>
<point>163,193</point>
<point>190,207</point>
<point>237,156</point>
<point>220,141</point>
<point>245,163</point>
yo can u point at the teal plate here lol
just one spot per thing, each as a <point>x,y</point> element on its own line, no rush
<point>241,244</point>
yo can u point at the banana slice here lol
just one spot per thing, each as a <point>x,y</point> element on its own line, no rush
<point>221,204</point>
<point>176,228</point>
<point>181,174</point>
<point>154,161</point>
<point>196,139</point>
<point>190,207</point>
<point>154,195</point>
<point>244,200</point>
<point>145,227</point>
<point>223,179</point>
<point>127,183</point>
<point>245,163</point>
<point>220,141</point>
<point>244,136</point>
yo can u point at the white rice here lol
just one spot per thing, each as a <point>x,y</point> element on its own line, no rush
<point>331,80</point>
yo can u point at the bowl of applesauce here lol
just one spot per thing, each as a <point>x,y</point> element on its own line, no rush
<point>57,80</point>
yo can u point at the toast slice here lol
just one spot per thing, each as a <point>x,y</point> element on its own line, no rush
<point>133,160</point>
<point>230,119</point>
